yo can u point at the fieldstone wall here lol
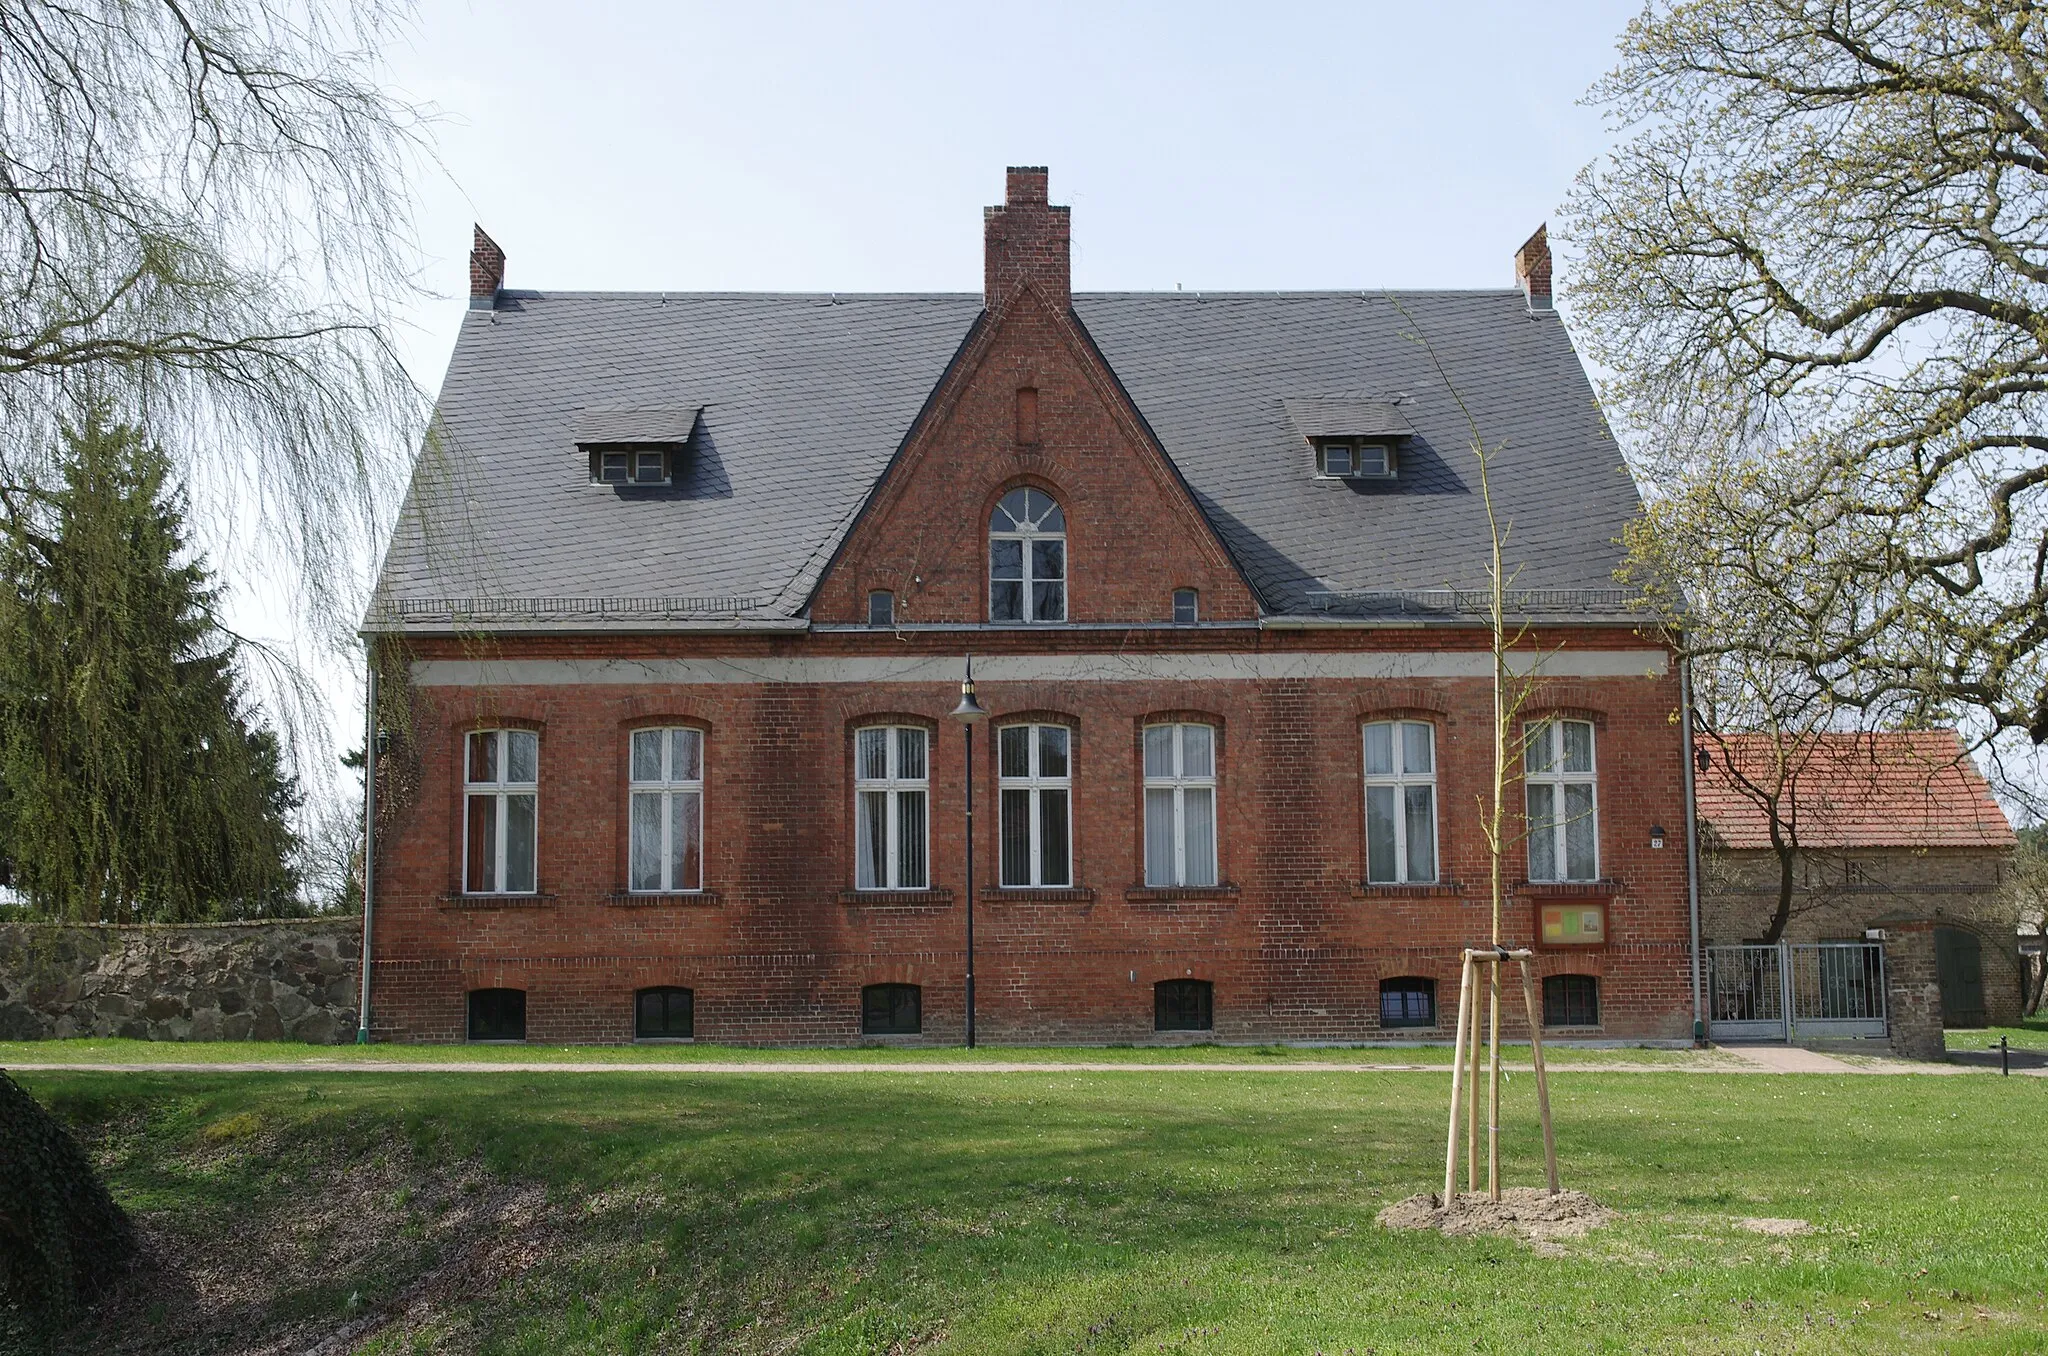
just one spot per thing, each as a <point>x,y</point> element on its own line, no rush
<point>292,979</point>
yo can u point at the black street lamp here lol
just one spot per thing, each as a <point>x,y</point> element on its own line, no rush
<point>970,713</point>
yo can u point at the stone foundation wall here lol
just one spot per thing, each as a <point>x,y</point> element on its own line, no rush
<point>292,979</point>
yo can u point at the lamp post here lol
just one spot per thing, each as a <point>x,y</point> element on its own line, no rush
<point>970,713</point>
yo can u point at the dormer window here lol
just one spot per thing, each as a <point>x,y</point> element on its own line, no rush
<point>634,445</point>
<point>629,466</point>
<point>1353,459</point>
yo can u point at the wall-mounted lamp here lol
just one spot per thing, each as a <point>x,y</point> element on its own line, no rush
<point>1656,835</point>
<point>1702,759</point>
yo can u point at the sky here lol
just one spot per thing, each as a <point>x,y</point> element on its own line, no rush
<point>850,148</point>
<point>783,147</point>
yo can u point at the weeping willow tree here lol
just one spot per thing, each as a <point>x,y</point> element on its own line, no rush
<point>138,786</point>
<point>204,225</point>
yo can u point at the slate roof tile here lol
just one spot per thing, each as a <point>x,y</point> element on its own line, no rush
<point>805,398</point>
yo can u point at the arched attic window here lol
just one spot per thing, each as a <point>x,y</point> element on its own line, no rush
<point>1027,559</point>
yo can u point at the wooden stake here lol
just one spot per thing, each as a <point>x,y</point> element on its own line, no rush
<point>1493,1082</point>
<point>1472,1087</point>
<point>1457,1082</point>
<point>1542,1084</point>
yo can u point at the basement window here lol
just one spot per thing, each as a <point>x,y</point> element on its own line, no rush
<point>891,1010</point>
<point>1183,1005</point>
<point>1409,1001</point>
<point>497,1014</point>
<point>664,1014</point>
<point>1353,459</point>
<point>629,466</point>
<point>1571,1000</point>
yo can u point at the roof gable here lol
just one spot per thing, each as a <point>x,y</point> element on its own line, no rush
<point>924,533</point>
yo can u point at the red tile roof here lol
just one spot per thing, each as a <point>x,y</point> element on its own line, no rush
<point>1904,789</point>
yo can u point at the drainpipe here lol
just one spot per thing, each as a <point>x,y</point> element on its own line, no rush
<point>1692,851</point>
<point>369,829</point>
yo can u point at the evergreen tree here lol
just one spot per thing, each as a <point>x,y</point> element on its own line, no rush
<point>138,785</point>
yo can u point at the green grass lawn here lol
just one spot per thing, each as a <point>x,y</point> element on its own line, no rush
<point>114,1051</point>
<point>2030,1034</point>
<point>1042,1212</point>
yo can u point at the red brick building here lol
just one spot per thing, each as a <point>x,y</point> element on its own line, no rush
<point>678,608</point>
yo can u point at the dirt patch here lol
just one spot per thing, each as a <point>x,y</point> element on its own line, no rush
<point>332,1253</point>
<point>1528,1213</point>
<point>1775,1228</point>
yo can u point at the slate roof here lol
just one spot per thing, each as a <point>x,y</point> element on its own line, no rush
<point>1891,790</point>
<point>805,398</point>
<point>1344,416</point>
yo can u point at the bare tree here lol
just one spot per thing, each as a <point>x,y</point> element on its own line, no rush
<point>204,229</point>
<point>1817,268</point>
<point>1515,663</point>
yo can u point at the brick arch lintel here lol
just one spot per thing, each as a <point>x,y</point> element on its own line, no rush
<point>1384,700</point>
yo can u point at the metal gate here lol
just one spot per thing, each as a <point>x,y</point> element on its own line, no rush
<point>1796,991</point>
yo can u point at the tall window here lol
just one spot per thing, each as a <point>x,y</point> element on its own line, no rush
<point>1183,1005</point>
<point>501,790</point>
<point>1180,805</point>
<point>1027,559</point>
<point>890,787</point>
<point>666,851</point>
<point>1571,1000</point>
<point>1035,782</point>
<point>1400,801</point>
<point>1186,606</point>
<point>1564,825</point>
<point>881,608</point>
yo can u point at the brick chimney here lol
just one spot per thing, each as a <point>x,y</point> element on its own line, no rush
<point>1532,269</point>
<point>1026,242</point>
<point>486,272</point>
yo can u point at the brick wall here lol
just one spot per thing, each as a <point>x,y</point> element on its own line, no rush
<point>1913,990</point>
<point>779,947</point>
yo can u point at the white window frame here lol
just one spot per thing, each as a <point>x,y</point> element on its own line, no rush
<point>1180,783</point>
<point>1034,782</point>
<point>633,459</point>
<point>1400,779</point>
<point>501,791</point>
<point>1355,451</point>
<point>667,787</point>
<point>1545,738</point>
<point>641,456</point>
<point>1025,537</point>
<point>894,786</point>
